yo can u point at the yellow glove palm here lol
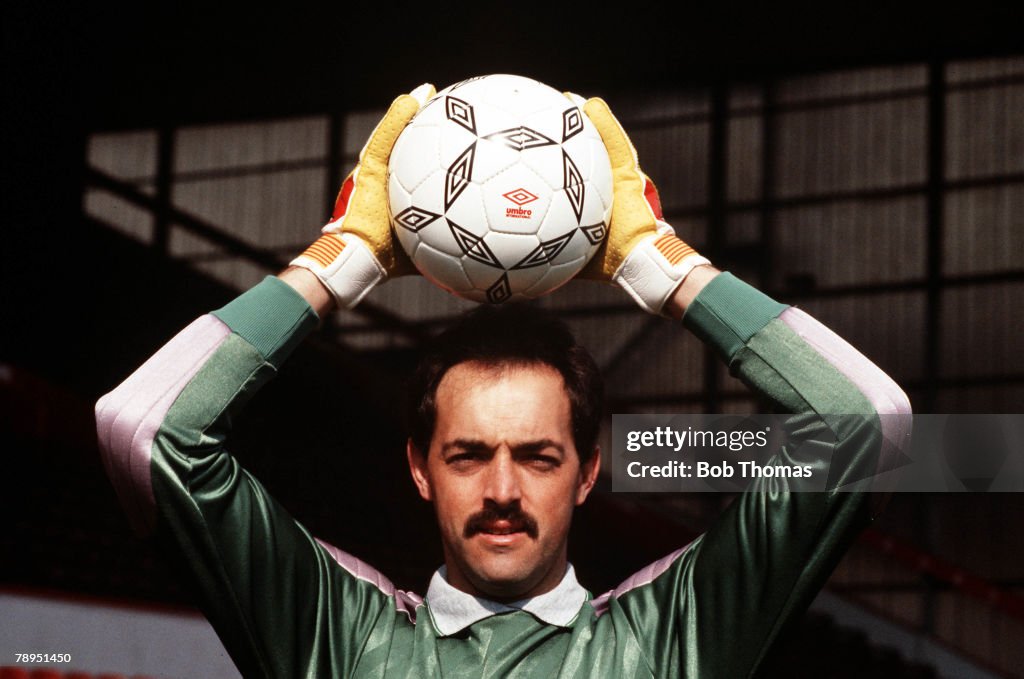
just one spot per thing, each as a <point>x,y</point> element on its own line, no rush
<point>641,252</point>
<point>358,249</point>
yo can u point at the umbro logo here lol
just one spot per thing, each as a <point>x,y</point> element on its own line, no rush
<point>520,197</point>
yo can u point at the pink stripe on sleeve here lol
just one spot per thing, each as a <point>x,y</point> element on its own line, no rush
<point>128,418</point>
<point>885,396</point>
<point>405,602</point>
<point>644,576</point>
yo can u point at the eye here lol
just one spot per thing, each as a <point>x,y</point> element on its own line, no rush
<point>542,462</point>
<point>463,461</point>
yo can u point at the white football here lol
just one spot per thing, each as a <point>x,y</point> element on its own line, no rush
<point>500,189</point>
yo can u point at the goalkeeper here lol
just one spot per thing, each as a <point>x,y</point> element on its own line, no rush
<point>503,431</point>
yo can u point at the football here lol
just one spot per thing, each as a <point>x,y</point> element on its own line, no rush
<point>500,189</point>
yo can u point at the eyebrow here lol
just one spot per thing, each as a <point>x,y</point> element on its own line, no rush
<point>475,445</point>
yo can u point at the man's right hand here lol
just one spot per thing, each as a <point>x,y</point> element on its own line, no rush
<point>357,250</point>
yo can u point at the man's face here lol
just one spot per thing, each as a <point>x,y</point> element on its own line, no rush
<point>504,476</point>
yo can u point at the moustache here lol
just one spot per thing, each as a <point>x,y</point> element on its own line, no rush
<point>515,518</point>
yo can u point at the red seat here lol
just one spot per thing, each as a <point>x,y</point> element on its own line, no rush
<point>13,673</point>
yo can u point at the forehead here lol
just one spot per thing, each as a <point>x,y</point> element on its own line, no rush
<point>505,402</point>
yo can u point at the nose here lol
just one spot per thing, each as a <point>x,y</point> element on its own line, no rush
<point>502,486</point>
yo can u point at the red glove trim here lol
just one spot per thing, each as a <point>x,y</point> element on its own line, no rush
<point>341,203</point>
<point>652,198</point>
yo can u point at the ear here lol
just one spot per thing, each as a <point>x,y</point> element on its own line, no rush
<point>418,469</point>
<point>588,476</point>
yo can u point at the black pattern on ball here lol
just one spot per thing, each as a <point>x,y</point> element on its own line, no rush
<point>595,232</point>
<point>473,246</point>
<point>414,218</point>
<point>460,112</point>
<point>573,184</point>
<point>459,175</point>
<point>500,291</point>
<point>521,138</point>
<point>572,123</point>
<point>546,252</point>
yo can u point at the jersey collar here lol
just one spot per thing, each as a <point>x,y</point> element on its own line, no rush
<point>453,610</point>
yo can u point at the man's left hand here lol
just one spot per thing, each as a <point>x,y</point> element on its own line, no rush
<point>641,251</point>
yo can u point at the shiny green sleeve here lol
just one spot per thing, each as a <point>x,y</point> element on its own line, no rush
<point>712,609</point>
<point>284,604</point>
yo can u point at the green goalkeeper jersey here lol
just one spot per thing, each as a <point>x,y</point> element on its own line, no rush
<point>288,605</point>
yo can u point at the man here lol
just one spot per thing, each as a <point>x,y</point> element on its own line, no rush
<point>503,444</point>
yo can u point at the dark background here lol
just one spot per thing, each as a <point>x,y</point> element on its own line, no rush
<point>70,70</point>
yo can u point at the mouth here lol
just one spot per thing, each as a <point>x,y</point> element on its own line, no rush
<point>502,534</point>
<point>502,527</point>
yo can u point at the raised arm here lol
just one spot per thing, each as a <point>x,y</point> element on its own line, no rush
<point>283,603</point>
<point>773,549</point>
<point>310,288</point>
<point>712,608</point>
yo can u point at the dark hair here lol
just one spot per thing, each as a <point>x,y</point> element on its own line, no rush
<point>509,335</point>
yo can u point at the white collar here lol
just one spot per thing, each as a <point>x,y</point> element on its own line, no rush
<point>452,609</point>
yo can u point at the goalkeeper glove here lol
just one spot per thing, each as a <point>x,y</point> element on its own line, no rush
<point>641,251</point>
<point>357,249</point>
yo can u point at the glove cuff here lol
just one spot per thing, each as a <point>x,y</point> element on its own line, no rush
<point>345,265</point>
<point>655,268</point>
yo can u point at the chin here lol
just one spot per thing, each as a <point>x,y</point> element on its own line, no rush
<point>504,591</point>
<point>504,581</point>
